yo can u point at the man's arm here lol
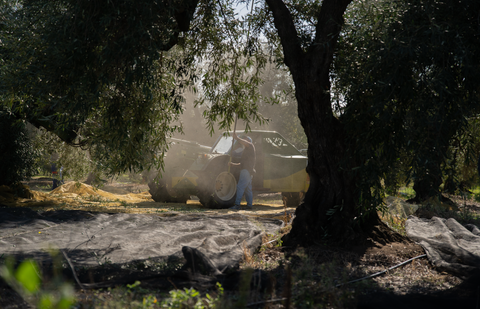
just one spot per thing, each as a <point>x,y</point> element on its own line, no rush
<point>244,142</point>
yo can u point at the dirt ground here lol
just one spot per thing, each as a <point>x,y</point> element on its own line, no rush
<point>417,284</point>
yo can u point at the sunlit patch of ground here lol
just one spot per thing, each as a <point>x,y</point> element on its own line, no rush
<point>79,196</point>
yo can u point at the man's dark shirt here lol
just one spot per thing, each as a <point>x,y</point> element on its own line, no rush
<point>247,161</point>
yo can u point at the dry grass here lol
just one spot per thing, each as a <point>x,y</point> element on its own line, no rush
<point>395,222</point>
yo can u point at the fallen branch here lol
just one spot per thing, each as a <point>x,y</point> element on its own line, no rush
<point>266,301</point>
<point>73,270</point>
<point>382,272</point>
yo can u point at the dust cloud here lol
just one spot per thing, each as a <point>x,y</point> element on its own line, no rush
<point>283,118</point>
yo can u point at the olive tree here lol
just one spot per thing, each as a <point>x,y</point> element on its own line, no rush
<point>408,71</point>
<point>109,76</point>
<point>98,73</point>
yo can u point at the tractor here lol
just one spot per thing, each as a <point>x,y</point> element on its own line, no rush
<point>194,169</point>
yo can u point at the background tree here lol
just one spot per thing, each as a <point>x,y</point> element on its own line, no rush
<point>412,71</point>
<point>461,168</point>
<point>16,151</point>
<point>76,162</point>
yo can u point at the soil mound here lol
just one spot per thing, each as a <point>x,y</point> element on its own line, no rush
<point>73,189</point>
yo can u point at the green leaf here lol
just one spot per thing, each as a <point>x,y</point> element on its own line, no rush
<point>27,275</point>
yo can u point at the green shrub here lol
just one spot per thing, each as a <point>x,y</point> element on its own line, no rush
<point>190,298</point>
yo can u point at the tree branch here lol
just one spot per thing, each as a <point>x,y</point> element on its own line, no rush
<point>184,15</point>
<point>330,21</point>
<point>287,32</point>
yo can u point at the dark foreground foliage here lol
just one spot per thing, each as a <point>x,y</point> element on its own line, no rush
<point>16,152</point>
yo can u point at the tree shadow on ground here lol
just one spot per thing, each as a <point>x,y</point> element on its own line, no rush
<point>331,267</point>
<point>307,277</point>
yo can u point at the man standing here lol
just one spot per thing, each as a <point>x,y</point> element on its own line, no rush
<point>54,175</point>
<point>247,169</point>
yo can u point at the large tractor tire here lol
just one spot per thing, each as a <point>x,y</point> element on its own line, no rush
<point>292,199</point>
<point>162,193</point>
<point>219,191</point>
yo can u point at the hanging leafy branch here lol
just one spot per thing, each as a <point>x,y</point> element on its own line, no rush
<point>110,76</point>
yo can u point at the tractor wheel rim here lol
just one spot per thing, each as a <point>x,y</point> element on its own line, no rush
<point>225,186</point>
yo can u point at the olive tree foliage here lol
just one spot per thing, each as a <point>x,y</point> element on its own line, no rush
<point>232,58</point>
<point>461,170</point>
<point>407,74</point>
<point>109,75</point>
<point>70,70</point>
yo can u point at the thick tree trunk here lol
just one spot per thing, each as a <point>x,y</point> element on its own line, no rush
<point>330,207</point>
<point>428,167</point>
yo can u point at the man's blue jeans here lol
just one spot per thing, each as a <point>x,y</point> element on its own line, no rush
<point>244,186</point>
